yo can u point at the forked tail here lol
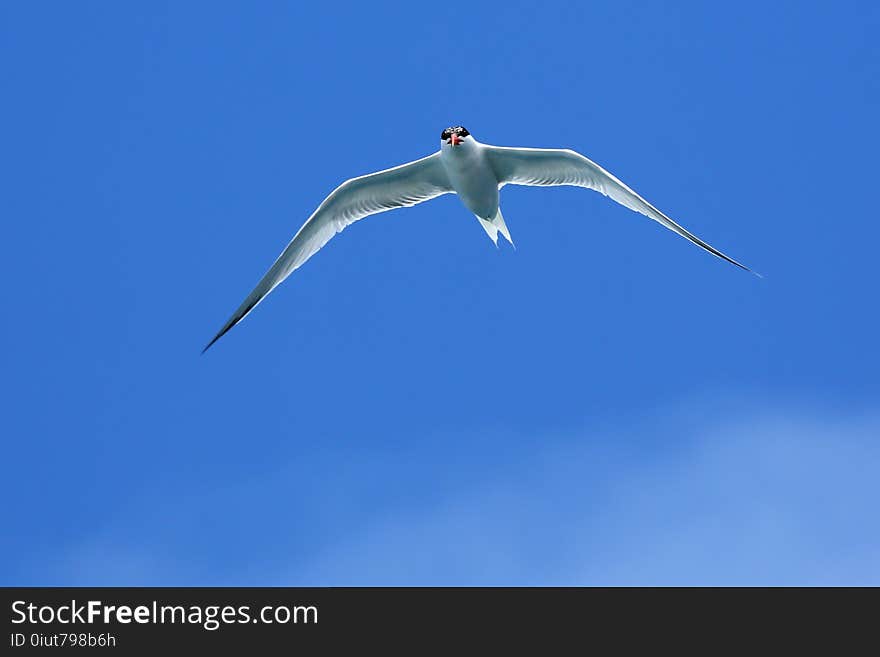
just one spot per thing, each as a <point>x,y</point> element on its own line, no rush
<point>496,225</point>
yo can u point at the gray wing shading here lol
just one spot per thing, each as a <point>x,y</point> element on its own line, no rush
<point>401,186</point>
<point>545,166</point>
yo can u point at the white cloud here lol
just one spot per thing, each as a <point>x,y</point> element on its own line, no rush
<point>766,499</point>
<point>731,496</point>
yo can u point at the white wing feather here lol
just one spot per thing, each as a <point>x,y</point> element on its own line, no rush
<point>545,166</point>
<point>401,186</point>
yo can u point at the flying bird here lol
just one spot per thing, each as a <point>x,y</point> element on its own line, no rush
<point>463,166</point>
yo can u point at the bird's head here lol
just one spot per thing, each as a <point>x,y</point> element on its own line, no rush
<point>454,137</point>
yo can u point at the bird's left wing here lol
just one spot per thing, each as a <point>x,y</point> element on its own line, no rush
<point>402,186</point>
<point>550,166</point>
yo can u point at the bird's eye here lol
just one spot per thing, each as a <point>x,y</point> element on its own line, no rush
<point>445,135</point>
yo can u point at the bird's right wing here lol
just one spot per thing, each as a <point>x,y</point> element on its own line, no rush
<point>551,166</point>
<point>401,186</point>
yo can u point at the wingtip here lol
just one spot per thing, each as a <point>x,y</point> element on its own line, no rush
<point>239,315</point>
<point>751,271</point>
<point>219,335</point>
<point>208,346</point>
<point>734,262</point>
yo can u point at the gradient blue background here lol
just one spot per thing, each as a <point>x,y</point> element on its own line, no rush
<point>605,405</point>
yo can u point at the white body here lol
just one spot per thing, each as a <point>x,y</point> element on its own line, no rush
<point>471,176</point>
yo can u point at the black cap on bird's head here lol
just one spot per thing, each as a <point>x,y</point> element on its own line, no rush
<point>454,135</point>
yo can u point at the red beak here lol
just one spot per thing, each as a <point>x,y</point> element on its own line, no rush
<point>455,140</point>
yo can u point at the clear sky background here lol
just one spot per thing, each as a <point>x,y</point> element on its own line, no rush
<point>607,404</point>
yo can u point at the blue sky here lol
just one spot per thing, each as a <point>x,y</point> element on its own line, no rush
<point>605,405</point>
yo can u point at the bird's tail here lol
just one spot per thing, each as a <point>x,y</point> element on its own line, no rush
<point>495,225</point>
